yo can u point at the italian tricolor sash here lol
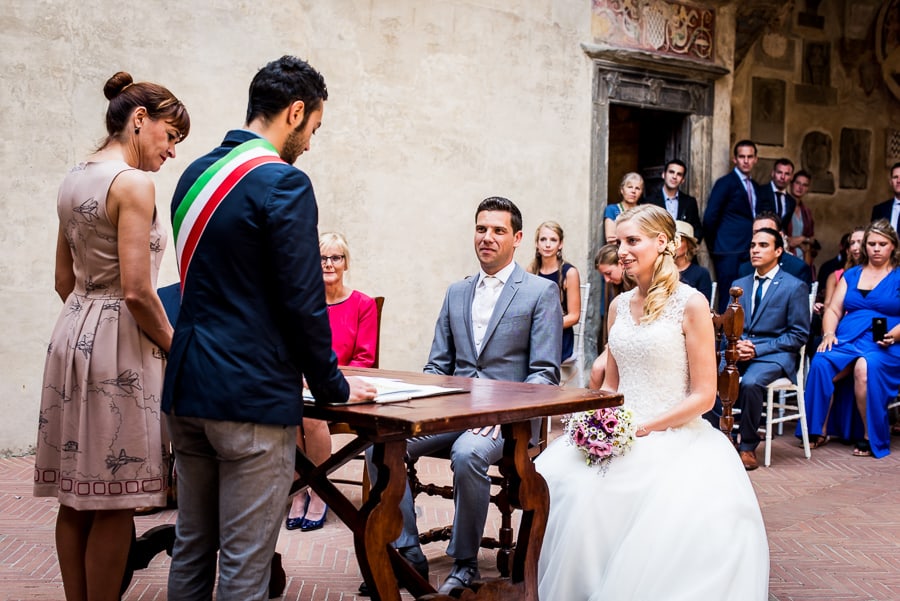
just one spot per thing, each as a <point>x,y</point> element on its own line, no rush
<point>204,197</point>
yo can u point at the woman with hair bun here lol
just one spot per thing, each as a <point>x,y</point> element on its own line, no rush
<point>639,526</point>
<point>100,448</point>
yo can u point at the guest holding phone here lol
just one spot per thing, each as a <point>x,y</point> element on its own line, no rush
<point>861,326</point>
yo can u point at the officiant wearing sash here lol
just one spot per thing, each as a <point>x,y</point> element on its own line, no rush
<point>253,323</point>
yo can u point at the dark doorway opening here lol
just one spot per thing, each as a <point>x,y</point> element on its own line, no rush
<point>642,140</point>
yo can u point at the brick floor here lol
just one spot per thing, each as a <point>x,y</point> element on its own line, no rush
<point>833,525</point>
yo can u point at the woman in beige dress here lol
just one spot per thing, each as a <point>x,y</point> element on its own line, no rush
<point>99,447</point>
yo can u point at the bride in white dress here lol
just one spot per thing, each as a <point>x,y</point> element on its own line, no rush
<point>675,518</point>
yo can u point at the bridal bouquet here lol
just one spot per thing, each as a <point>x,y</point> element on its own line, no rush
<point>601,434</point>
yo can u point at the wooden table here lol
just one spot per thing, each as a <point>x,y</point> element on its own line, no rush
<point>387,427</point>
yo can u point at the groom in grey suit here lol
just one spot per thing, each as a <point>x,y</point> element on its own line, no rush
<point>776,325</point>
<point>502,324</point>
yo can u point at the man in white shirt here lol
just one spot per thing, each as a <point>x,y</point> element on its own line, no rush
<point>890,209</point>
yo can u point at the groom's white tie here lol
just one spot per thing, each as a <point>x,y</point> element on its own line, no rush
<point>486,295</point>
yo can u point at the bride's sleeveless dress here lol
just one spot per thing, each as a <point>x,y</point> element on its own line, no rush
<point>673,519</point>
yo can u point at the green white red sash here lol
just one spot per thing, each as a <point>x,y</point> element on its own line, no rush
<point>204,197</point>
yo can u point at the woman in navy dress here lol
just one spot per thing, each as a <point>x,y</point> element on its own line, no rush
<point>549,264</point>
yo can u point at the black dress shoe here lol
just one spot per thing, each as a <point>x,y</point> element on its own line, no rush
<point>416,559</point>
<point>461,575</point>
<point>277,577</point>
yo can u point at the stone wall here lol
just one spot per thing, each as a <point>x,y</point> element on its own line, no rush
<point>821,100</point>
<point>434,105</point>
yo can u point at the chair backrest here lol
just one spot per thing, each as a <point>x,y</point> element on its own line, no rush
<point>813,290</point>
<point>729,326</point>
<point>578,328</point>
<point>379,303</point>
<point>712,295</point>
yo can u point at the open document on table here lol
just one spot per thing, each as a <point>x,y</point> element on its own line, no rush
<point>391,390</point>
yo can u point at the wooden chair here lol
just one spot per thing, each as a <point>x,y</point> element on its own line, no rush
<point>500,497</point>
<point>343,428</point>
<point>729,326</point>
<point>788,411</point>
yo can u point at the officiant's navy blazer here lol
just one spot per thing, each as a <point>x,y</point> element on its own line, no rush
<point>253,317</point>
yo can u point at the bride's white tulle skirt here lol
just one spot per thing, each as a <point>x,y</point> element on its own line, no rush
<point>675,519</point>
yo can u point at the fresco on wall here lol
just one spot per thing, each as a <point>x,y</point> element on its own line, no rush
<point>887,45</point>
<point>815,157</point>
<point>854,163</point>
<point>767,111</point>
<point>668,28</point>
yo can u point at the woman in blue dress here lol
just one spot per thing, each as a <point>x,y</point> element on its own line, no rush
<point>856,409</point>
<point>548,263</point>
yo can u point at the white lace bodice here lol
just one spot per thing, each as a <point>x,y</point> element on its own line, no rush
<point>652,359</point>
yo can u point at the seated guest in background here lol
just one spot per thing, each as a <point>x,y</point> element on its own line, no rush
<point>690,273</point>
<point>681,206</point>
<point>630,191</point>
<point>800,228</point>
<point>852,346</point>
<point>776,326</point>
<point>549,264</point>
<point>854,256</point>
<point>354,333</point>
<point>787,261</point>
<point>501,324</point>
<point>832,265</point>
<point>616,281</point>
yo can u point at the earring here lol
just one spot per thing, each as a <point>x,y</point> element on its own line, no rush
<point>137,130</point>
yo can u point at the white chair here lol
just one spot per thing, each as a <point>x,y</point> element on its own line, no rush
<point>573,367</point>
<point>784,387</point>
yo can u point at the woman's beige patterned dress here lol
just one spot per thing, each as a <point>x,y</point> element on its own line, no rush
<point>99,439</point>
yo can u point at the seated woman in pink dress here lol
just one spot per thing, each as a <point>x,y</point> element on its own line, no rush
<point>354,334</point>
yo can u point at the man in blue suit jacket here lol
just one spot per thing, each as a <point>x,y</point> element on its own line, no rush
<point>682,207</point>
<point>776,192</point>
<point>728,219</point>
<point>776,325</point>
<point>793,265</point>
<point>502,324</point>
<point>252,324</point>
<point>890,209</point>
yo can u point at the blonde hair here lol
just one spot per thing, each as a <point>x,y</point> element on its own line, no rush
<point>336,239</point>
<point>536,263</point>
<point>630,176</point>
<point>652,221</point>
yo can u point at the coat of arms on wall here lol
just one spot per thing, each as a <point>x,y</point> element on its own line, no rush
<point>657,26</point>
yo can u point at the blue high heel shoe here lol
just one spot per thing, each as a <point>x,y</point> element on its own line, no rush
<point>307,525</point>
<point>295,523</point>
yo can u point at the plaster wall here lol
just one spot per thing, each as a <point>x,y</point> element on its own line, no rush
<point>875,111</point>
<point>433,106</point>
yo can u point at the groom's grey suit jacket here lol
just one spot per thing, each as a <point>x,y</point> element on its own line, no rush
<point>523,340</point>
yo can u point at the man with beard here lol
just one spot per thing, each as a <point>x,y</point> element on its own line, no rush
<point>253,323</point>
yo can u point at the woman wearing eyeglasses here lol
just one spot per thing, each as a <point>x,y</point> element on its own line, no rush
<point>354,334</point>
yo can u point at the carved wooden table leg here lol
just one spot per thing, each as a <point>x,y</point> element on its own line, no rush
<point>380,522</point>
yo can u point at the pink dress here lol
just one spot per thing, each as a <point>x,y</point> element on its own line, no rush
<point>354,330</point>
<point>99,440</point>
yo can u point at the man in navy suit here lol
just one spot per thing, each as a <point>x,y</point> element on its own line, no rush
<point>890,209</point>
<point>681,206</point>
<point>776,325</point>
<point>252,325</point>
<point>793,265</point>
<point>776,192</point>
<point>728,219</point>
